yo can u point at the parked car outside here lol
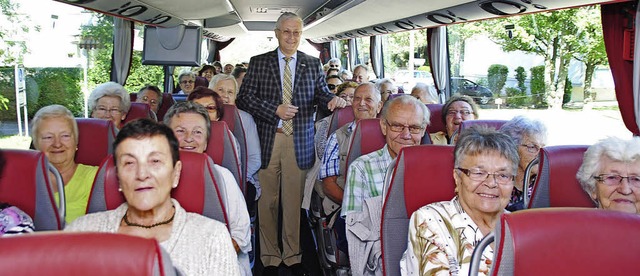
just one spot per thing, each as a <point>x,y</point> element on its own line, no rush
<point>479,93</point>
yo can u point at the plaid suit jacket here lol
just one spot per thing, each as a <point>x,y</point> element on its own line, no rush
<point>261,93</point>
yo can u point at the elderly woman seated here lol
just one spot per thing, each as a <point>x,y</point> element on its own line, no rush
<point>187,82</point>
<point>210,100</point>
<point>346,91</point>
<point>529,136</point>
<point>610,174</point>
<point>442,235</point>
<point>109,101</point>
<point>54,131</point>
<point>191,125</point>
<point>148,167</point>
<point>457,109</point>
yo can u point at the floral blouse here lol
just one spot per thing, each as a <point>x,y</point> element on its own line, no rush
<point>14,221</point>
<point>441,241</point>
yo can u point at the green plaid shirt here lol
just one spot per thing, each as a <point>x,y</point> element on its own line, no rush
<point>365,179</point>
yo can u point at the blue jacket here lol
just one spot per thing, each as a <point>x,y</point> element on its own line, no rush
<point>261,93</point>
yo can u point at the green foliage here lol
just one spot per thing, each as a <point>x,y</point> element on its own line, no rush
<point>521,77</point>
<point>537,84</point>
<point>497,77</point>
<point>12,48</point>
<point>44,86</point>
<point>568,87</point>
<point>516,97</point>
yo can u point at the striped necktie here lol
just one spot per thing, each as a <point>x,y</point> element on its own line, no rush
<point>287,95</point>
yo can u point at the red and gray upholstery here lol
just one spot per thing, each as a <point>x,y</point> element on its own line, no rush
<point>25,183</point>
<point>366,138</point>
<point>422,175</point>
<point>339,118</point>
<point>556,184</point>
<point>197,191</point>
<point>235,125</point>
<point>167,102</point>
<point>83,254</point>
<point>221,148</point>
<point>137,111</point>
<point>564,241</point>
<point>95,138</point>
<point>436,123</point>
<point>496,124</point>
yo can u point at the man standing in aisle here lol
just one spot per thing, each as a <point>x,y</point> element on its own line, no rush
<point>280,90</point>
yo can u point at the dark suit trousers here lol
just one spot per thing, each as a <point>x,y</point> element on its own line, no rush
<point>282,178</point>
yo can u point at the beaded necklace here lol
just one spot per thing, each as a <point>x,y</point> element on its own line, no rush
<point>128,223</point>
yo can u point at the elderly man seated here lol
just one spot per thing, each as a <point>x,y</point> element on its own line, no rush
<point>366,105</point>
<point>404,120</point>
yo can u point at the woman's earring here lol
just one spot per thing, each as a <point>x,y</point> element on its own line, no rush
<point>119,189</point>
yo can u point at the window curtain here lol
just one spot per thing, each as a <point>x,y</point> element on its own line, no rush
<point>214,48</point>
<point>377,58</point>
<point>324,49</point>
<point>438,60</point>
<point>333,49</point>
<point>353,54</point>
<point>122,50</point>
<point>616,18</point>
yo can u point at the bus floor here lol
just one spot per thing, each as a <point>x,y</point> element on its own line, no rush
<point>309,251</point>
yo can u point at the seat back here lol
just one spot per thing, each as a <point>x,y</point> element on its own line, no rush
<point>339,118</point>
<point>167,102</point>
<point>422,175</point>
<point>523,240</point>
<point>235,125</point>
<point>496,124</point>
<point>25,183</point>
<point>556,184</point>
<point>77,254</point>
<point>222,149</point>
<point>436,124</point>
<point>139,110</point>
<point>197,191</point>
<point>95,137</point>
<point>366,138</point>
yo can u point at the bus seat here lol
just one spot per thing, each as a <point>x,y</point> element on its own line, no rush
<point>496,124</point>
<point>83,254</point>
<point>436,123</point>
<point>358,146</point>
<point>339,118</point>
<point>133,97</point>
<point>221,148</point>
<point>556,184</point>
<point>197,191</point>
<point>393,96</point>
<point>25,183</point>
<point>179,97</point>
<point>235,125</point>
<point>201,81</point>
<point>554,240</point>
<point>422,175</point>
<point>95,137</point>
<point>167,102</point>
<point>139,110</point>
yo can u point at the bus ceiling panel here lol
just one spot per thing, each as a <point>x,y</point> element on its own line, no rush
<point>165,13</point>
<point>461,13</point>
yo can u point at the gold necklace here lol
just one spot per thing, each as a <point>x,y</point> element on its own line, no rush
<point>128,223</point>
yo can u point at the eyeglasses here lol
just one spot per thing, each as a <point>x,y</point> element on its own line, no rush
<point>151,102</point>
<point>291,33</point>
<point>211,108</point>
<point>386,92</point>
<point>614,179</point>
<point>187,82</point>
<point>331,86</point>
<point>461,112</point>
<point>400,128</point>
<point>481,176</point>
<point>104,110</point>
<point>334,66</point>
<point>531,148</point>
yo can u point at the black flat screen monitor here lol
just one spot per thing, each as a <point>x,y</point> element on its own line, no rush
<point>177,46</point>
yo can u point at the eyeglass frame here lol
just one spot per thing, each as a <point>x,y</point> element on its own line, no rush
<point>532,148</point>
<point>468,172</point>
<point>104,110</point>
<point>600,178</point>
<point>290,33</point>
<point>417,130</point>
<point>187,81</point>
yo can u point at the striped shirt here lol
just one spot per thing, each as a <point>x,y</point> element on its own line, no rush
<point>331,157</point>
<point>365,179</point>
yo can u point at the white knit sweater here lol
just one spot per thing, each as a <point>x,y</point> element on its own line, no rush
<point>198,245</point>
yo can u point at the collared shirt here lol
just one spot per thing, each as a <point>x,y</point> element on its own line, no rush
<point>441,240</point>
<point>292,67</point>
<point>331,157</point>
<point>365,179</point>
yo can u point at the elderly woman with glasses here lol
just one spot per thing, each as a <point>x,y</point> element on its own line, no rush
<point>529,136</point>
<point>187,82</point>
<point>346,91</point>
<point>610,174</point>
<point>457,109</point>
<point>442,235</point>
<point>109,101</point>
<point>210,100</point>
